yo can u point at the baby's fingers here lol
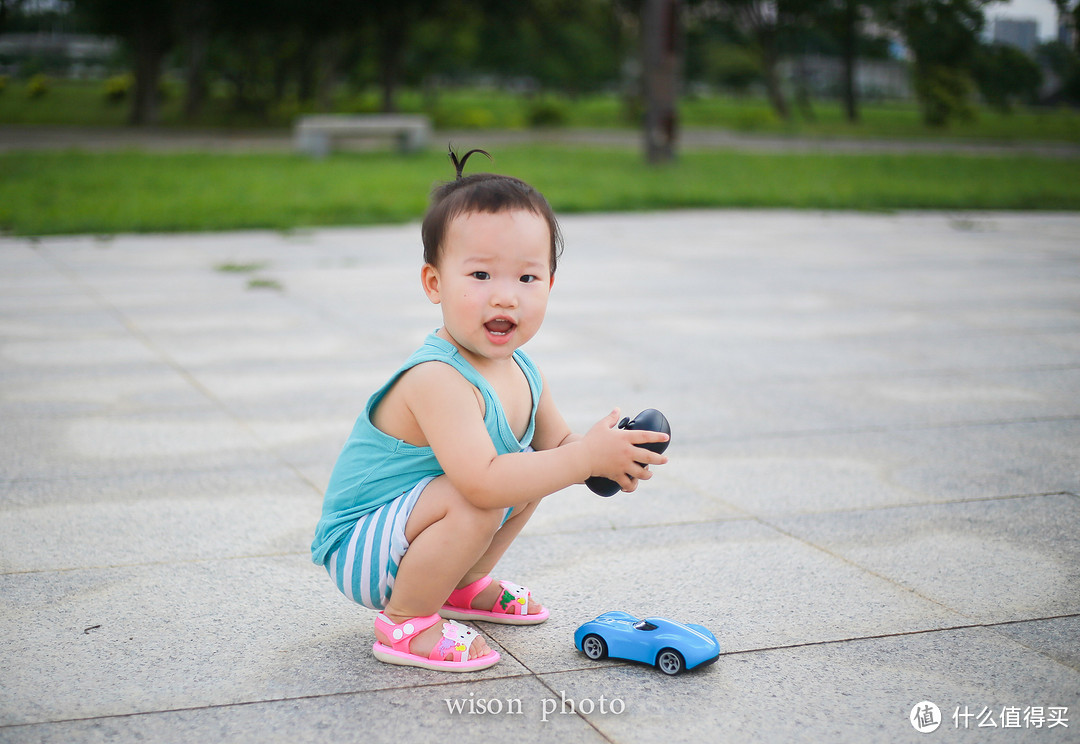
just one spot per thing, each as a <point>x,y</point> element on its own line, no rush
<point>644,436</point>
<point>648,457</point>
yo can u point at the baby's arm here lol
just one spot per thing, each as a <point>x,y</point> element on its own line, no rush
<point>445,407</point>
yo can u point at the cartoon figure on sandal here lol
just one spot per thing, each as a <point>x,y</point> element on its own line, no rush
<point>451,457</point>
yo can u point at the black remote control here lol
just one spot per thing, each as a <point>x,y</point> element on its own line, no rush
<point>649,420</point>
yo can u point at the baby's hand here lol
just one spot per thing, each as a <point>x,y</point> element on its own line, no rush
<point>613,454</point>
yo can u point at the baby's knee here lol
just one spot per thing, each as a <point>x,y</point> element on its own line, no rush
<point>476,518</point>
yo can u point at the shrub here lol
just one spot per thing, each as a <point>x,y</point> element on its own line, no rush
<point>118,87</point>
<point>944,94</point>
<point>471,118</point>
<point>732,67</point>
<point>37,86</point>
<point>753,119</point>
<point>548,113</point>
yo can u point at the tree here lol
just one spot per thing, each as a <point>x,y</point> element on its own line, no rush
<point>661,23</point>
<point>1004,75</point>
<point>943,36</point>
<point>394,22</point>
<point>760,22</point>
<point>8,8</point>
<point>148,30</point>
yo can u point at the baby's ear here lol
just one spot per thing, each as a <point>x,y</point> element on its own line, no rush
<point>430,281</point>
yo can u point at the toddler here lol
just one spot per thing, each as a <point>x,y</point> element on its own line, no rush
<point>452,455</point>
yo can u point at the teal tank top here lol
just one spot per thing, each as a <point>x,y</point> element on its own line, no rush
<point>375,468</point>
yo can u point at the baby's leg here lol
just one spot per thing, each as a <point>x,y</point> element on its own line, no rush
<point>447,537</point>
<point>499,543</point>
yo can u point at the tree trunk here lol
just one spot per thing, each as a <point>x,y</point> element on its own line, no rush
<point>329,54</point>
<point>773,88</point>
<point>150,45</point>
<point>661,57</point>
<point>198,43</point>
<point>849,40</point>
<point>389,61</point>
<point>802,88</point>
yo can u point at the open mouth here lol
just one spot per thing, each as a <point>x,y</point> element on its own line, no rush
<point>500,326</point>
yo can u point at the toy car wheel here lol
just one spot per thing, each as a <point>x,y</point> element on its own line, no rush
<point>594,646</point>
<point>670,661</point>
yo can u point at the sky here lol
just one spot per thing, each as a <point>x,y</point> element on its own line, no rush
<point>1043,11</point>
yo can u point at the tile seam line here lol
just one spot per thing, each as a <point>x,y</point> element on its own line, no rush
<point>894,582</point>
<point>170,362</point>
<point>880,429</point>
<point>268,701</point>
<point>529,674</point>
<point>918,374</point>
<point>859,567</point>
<point>543,683</point>
<point>903,634</point>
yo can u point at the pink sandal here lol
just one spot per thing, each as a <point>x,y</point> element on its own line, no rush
<point>511,608</point>
<point>456,641</point>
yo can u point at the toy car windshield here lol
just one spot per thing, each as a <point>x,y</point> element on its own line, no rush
<point>644,625</point>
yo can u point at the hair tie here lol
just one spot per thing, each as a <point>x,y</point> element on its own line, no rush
<point>459,163</point>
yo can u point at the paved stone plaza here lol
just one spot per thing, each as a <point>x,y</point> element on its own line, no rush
<point>873,497</point>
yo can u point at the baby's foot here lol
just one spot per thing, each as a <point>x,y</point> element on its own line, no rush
<point>509,598</point>
<point>494,602</point>
<point>427,640</point>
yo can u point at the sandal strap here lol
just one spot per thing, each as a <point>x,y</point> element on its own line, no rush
<point>514,596</point>
<point>401,634</point>
<point>464,596</point>
<point>457,640</point>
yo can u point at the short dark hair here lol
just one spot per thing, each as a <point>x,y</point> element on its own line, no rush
<point>482,192</point>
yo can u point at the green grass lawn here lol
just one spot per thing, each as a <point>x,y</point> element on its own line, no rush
<point>83,103</point>
<point>76,192</point>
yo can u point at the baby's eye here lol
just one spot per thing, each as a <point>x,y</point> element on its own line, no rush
<point>527,278</point>
<point>481,275</point>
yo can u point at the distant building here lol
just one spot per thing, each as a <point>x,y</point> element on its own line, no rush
<point>875,79</point>
<point>1022,33</point>
<point>71,55</point>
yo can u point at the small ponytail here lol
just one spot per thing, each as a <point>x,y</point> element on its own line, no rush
<point>459,163</point>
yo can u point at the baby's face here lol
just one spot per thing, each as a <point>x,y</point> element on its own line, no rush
<point>492,281</point>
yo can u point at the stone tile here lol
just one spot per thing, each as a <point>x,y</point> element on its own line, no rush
<point>752,586</point>
<point>251,473</point>
<point>1056,638</point>
<point>855,691</point>
<point>174,529</point>
<point>993,460</point>
<point>100,391</point>
<point>379,717</point>
<point>165,636</point>
<point>875,436</point>
<point>820,472</point>
<point>127,442</point>
<point>991,561</point>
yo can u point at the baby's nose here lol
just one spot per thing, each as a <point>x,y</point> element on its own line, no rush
<point>504,297</point>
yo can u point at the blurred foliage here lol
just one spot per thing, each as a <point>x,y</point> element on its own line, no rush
<point>118,87</point>
<point>268,60</point>
<point>1006,76</point>
<point>37,86</point>
<point>944,94</point>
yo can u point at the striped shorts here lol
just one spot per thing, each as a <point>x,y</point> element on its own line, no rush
<point>365,565</point>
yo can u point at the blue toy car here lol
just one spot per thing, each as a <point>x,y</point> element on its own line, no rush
<point>670,646</point>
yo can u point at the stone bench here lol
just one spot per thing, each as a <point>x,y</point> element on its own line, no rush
<point>315,134</point>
